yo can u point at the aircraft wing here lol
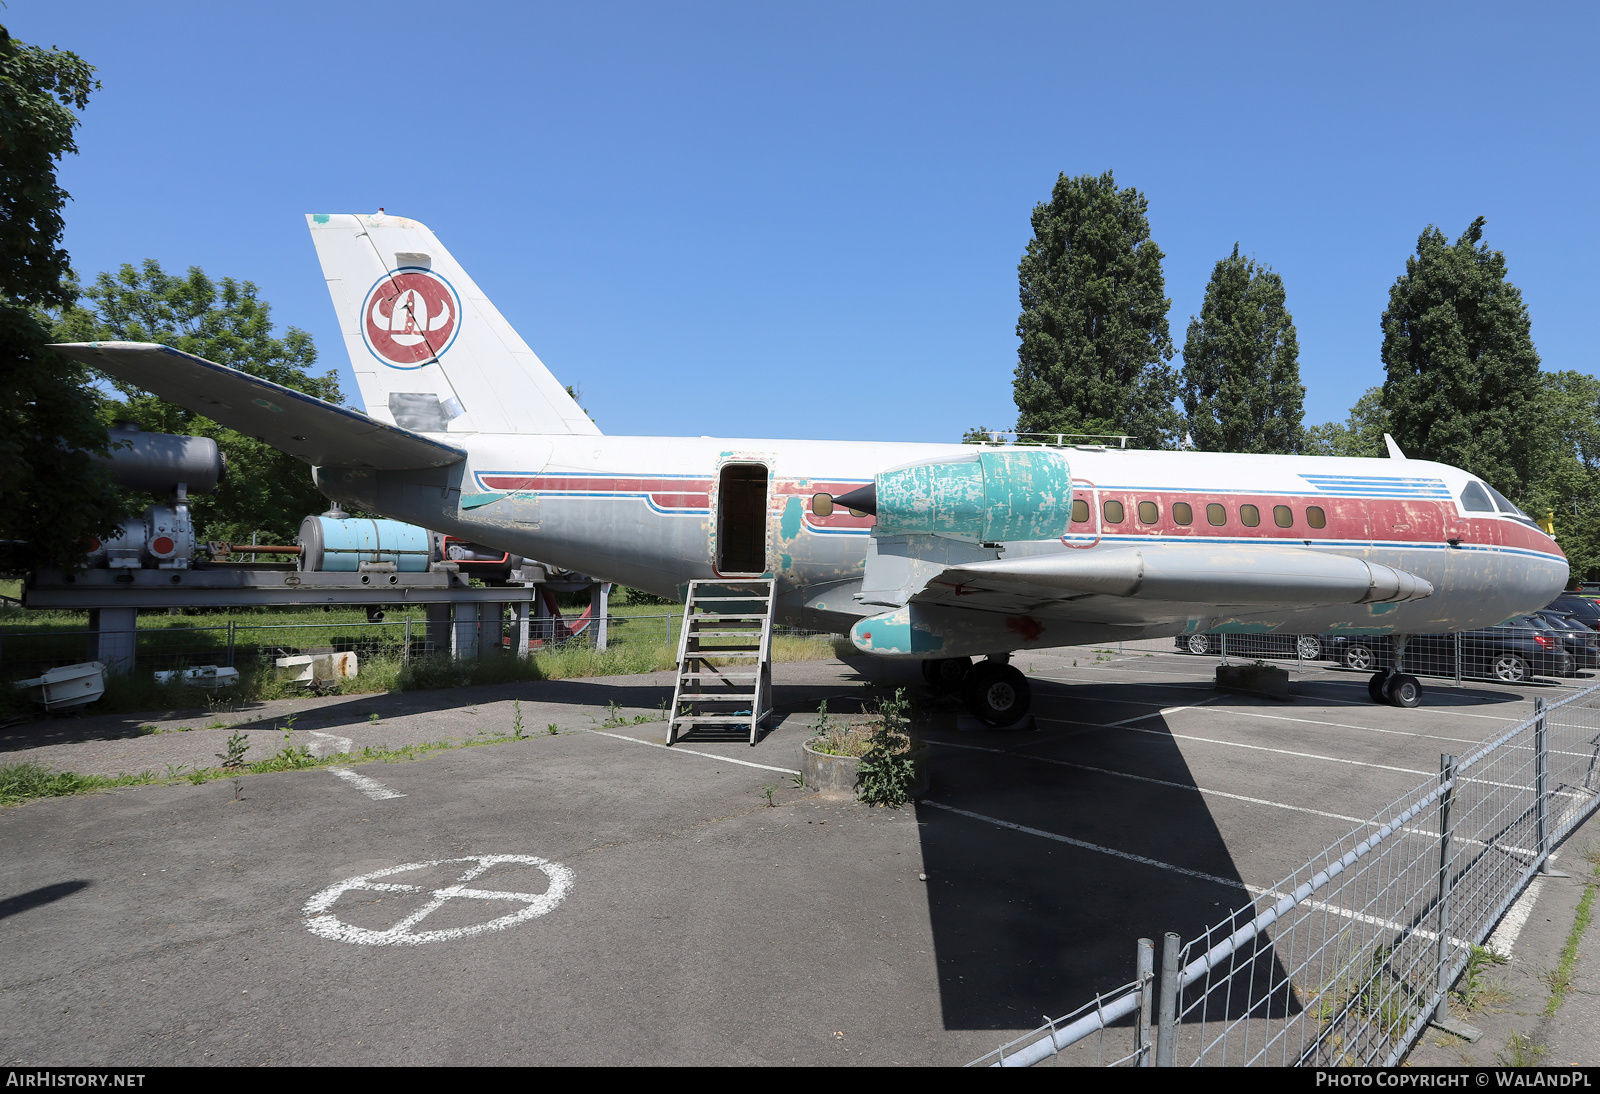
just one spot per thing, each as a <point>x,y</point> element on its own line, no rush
<point>307,428</point>
<point>1146,583</point>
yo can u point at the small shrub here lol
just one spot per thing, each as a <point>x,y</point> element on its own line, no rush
<point>887,770</point>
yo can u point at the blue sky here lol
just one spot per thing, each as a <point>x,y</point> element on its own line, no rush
<point>805,220</point>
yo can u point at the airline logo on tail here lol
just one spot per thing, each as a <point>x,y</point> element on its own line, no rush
<point>410,317</point>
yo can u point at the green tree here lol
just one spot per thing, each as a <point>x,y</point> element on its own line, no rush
<point>52,497</point>
<point>265,491</point>
<point>1463,376</point>
<point>1095,343</point>
<point>1241,364</point>
<point>1360,434</point>
<point>1566,481</point>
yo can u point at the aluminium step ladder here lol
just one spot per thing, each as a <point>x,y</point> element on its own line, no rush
<point>724,658</point>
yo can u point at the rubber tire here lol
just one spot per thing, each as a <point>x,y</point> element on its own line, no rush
<point>1205,643</point>
<point>1359,657</point>
<point>1376,685</point>
<point>1508,668</point>
<point>997,695</point>
<point>1308,647</point>
<point>946,673</point>
<point>1403,690</point>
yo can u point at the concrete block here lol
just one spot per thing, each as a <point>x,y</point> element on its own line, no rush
<point>1257,678</point>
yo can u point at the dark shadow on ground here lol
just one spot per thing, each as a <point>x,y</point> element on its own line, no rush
<point>37,898</point>
<point>1023,924</point>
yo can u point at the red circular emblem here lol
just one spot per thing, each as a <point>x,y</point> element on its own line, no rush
<point>410,317</point>
<point>161,545</point>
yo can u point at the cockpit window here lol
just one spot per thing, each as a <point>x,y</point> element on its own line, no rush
<point>1475,500</point>
<point>1505,505</point>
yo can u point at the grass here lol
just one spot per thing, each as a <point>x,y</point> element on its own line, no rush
<point>24,782</point>
<point>139,691</point>
<point>1560,978</point>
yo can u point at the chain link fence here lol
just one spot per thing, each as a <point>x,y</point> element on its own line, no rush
<point>1345,961</point>
<point>1543,649</point>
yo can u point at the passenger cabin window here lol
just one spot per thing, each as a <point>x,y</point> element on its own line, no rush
<point>1113,512</point>
<point>1149,512</point>
<point>1282,516</point>
<point>1182,513</point>
<point>822,504</point>
<point>1080,511</point>
<point>1249,516</point>
<point>1216,515</point>
<point>1474,499</point>
<point>1316,517</point>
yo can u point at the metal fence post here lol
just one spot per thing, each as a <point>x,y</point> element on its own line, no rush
<point>1222,647</point>
<point>1146,967</point>
<point>230,643</point>
<point>1458,658</point>
<point>1447,776</point>
<point>405,652</point>
<point>1167,1006</point>
<point>1541,783</point>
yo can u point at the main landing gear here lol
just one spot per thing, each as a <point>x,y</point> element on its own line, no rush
<point>995,693</point>
<point>1398,689</point>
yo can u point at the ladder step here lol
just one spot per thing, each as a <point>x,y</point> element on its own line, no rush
<point>719,676</point>
<point>721,634</point>
<point>702,697</point>
<point>714,720</point>
<point>723,617</point>
<point>746,599</point>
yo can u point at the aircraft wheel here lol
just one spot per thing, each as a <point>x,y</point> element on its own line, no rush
<point>1403,690</point>
<point>997,695</point>
<point>946,673</point>
<point>1375,686</point>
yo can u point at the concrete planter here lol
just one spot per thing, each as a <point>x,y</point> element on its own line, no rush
<point>837,774</point>
<point>825,772</point>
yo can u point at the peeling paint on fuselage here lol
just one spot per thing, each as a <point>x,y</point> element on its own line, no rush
<point>641,511</point>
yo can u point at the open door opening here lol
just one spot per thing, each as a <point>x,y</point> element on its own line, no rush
<point>742,519</point>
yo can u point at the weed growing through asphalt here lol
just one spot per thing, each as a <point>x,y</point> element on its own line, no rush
<point>798,781</point>
<point>233,759</point>
<point>551,729</point>
<point>1474,991</point>
<point>373,718</point>
<point>1521,1051</point>
<point>516,720</point>
<point>1560,977</point>
<point>768,791</point>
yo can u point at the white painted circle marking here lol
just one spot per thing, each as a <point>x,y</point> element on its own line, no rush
<point>320,923</point>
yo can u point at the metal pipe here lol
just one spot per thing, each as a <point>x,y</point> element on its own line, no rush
<point>1447,778</point>
<point>1145,964</point>
<point>262,549</point>
<point>1167,1011</point>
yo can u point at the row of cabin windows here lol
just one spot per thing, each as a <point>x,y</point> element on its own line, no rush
<point>1183,513</point>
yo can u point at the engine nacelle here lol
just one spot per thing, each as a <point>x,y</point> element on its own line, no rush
<point>991,496</point>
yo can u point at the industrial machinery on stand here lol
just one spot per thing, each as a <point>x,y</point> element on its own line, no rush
<point>157,562</point>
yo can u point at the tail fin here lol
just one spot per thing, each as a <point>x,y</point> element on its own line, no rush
<point>430,352</point>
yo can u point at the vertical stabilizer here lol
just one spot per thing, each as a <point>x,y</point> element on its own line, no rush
<point>429,351</point>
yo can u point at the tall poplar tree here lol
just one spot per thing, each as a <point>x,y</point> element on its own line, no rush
<point>1095,343</point>
<point>52,497</point>
<point>1241,364</point>
<point>1463,377</point>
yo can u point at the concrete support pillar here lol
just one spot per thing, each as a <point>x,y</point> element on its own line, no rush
<point>464,632</point>
<point>599,608</point>
<point>521,626</point>
<point>114,637</point>
<point>439,629</point>
<point>491,628</point>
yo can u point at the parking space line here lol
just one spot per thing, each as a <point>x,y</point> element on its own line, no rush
<point>1253,890</point>
<point>1157,782</point>
<point>1279,751</point>
<point>372,788</point>
<point>692,752</point>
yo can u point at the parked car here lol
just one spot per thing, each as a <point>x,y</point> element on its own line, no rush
<point>1512,652</point>
<point>1306,647</point>
<point>1586,610</point>
<point>1581,642</point>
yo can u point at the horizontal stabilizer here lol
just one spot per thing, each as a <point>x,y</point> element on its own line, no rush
<point>1232,576</point>
<point>306,428</point>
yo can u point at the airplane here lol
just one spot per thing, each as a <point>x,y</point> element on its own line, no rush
<point>939,552</point>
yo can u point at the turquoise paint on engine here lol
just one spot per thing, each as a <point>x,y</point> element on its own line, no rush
<point>990,496</point>
<point>892,634</point>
